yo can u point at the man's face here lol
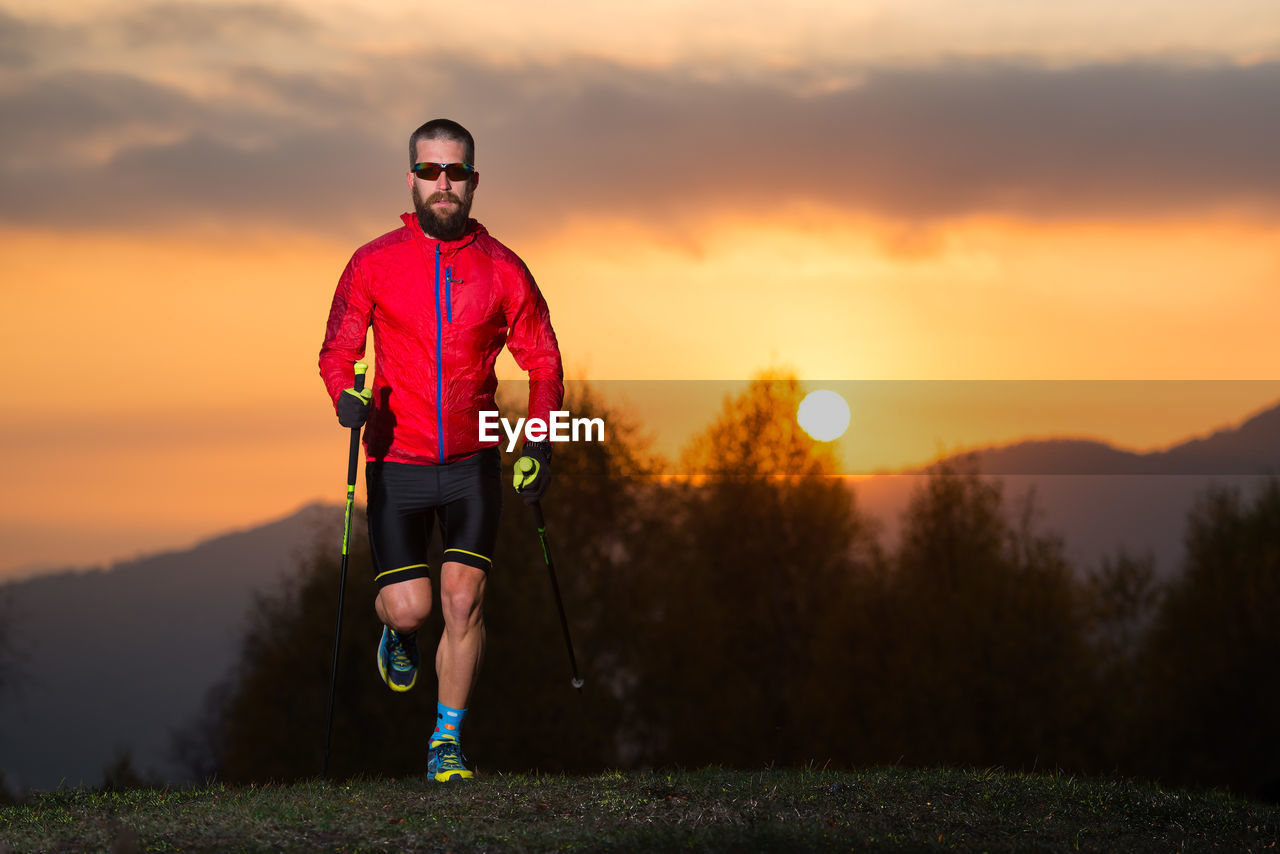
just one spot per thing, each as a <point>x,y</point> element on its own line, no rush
<point>443,206</point>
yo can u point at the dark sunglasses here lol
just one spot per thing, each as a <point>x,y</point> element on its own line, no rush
<point>454,171</point>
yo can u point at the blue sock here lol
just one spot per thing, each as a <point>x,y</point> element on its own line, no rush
<point>448,723</point>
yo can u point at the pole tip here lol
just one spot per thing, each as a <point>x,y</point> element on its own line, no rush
<point>578,683</point>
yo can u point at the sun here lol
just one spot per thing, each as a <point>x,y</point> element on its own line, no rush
<point>824,415</point>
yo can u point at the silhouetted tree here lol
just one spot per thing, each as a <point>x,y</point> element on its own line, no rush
<point>8,675</point>
<point>197,746</point>
<point>272,716</point>
<point>985,634</point>
<point>1210,686</point>
<point>8,657</point>
<point>120,774</point>
<point>1121,597</point>
<point>750,599</point>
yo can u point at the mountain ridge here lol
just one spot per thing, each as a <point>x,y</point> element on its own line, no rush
<point>172,628</point>
<point>1250,448</point>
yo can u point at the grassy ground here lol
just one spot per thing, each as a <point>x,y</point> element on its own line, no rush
<point>709,810</point>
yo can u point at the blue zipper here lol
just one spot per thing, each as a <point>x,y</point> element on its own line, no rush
<point>439,362</point>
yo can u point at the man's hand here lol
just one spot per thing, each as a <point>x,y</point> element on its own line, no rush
<point>353,407</point>
<point>533,471</point>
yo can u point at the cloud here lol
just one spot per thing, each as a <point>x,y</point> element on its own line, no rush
<point>21,40</point>
<point>261,142</point>
<point>192,23</point>
<point>54,116</point>
<point>956,139</point>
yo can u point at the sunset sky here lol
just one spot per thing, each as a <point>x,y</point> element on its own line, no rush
<point>907,191</point>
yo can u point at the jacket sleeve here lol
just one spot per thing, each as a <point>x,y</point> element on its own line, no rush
<point>533,344</point>
<point>346,331</point>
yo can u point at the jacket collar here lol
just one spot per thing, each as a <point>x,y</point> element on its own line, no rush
<point>474,230</point>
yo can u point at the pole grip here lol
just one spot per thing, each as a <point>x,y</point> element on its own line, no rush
<point>353,458</point>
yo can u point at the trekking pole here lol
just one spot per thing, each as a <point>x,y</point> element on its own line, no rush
<point>352,468</point>
<point>538,519</point>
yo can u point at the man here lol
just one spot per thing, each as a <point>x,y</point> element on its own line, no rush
<point>442,297</point>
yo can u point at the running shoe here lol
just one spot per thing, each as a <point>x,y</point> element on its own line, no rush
<point>445,761</point>
<point>397,660</point>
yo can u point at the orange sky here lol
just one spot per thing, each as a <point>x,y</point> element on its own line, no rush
<point>914,191</point>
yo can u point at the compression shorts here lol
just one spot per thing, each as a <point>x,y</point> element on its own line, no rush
<point>406,498</point>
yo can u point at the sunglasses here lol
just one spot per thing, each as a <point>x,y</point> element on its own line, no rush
<point>454,171</point>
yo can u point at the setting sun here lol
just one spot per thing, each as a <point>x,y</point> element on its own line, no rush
<point>824,415</point>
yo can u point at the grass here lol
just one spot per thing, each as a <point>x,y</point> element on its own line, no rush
<point>707,810</point>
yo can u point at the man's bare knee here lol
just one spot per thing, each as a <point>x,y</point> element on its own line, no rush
<point>406,606</point>
<point>460,607</point>
<point>462,594</point>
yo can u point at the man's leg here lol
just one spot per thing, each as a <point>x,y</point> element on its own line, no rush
<point>469,522</point>
<point>462,645</point>
<point>457,664</point>
<point>400,515</point>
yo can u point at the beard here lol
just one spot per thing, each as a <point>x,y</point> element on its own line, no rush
<point>443,225</point>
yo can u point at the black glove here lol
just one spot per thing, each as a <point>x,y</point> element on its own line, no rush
<point>533,471</point>
<point>353,407</point>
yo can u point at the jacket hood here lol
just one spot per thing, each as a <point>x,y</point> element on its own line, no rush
<point>474,230</point>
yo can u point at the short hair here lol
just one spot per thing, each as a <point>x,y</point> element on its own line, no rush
<point>443,129</point>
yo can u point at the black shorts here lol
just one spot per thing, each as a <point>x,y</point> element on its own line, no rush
<point>405,498</point>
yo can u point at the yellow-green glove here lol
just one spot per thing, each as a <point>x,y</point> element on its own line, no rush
<point>533,471</point>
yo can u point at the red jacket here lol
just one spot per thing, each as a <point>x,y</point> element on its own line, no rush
<point>440,311</point>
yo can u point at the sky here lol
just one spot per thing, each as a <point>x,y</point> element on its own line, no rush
<point>908,192</point>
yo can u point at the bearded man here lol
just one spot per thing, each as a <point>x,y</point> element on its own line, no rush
<point>442,297</point>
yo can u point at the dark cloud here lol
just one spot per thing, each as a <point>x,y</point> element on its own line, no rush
<point>591,138</point>
<point>52,114</point>
<point>1126,140</point>
<point>304,181</point>
<point>21,40</point>
<point>300,153</point>
<point>197,23</point>
<point>14,51</point>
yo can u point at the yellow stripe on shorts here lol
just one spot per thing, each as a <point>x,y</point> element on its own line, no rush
<point>473,554</point>
<point>401,569</point>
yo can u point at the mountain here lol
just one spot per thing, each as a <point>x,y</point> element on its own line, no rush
<point>1104,499</point>
<point>116,659</point>
<point>1252,448</point>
